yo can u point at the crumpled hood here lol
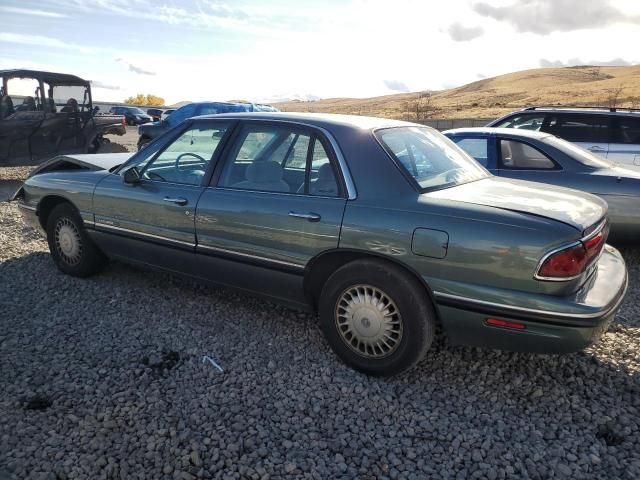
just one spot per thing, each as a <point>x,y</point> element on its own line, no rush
<point>96,161</point>
<point>578,209</point>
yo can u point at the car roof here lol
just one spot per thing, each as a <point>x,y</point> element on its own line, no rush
<point>512,132</point>
<point>317,119</point>
<point>621,111</point>
<point>51,78</point>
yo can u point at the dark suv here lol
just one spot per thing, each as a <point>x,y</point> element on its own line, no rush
<point>153,130</point>
<point>133,115</point>
<point>613,133</point>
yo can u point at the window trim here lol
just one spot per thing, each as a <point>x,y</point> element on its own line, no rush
<point>346,190</point>
<point>500,166</point>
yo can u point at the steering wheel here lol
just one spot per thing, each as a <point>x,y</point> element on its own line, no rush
<point>451,175</point>
<point>188,154</point>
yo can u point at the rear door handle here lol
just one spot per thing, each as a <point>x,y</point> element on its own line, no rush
<point>312,217</point>
<point>176,200</point>
<point>595,148</point>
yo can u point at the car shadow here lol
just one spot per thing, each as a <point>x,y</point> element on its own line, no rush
<point>8,188</point>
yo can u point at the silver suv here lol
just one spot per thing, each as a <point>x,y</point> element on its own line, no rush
<point>613,133</point>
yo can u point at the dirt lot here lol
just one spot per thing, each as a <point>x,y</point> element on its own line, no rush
<point>105,378</point>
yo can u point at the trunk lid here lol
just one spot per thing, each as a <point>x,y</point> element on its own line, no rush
<point>579,209</point>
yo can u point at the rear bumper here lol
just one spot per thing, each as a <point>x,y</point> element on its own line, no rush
<point>585,315</point>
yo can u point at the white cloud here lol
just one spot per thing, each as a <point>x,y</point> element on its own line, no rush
<point>42,41</point>
<point>460,33</point>
<point>32,12</point>
<point>104,86</point>
<point>546,16</point>
<point>396,85</point>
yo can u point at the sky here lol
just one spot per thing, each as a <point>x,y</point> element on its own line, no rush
<point>277,49</point>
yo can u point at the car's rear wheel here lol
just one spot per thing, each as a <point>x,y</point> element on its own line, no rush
<point>73,252</point>
<point>376,317</point>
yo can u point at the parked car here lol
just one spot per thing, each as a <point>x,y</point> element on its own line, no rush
<point>386,228</point>
<point>58,118</point>
<point>545,158</point>
<point>132,115</point>
<point>612,133</point>
<point>155,113</point>
<point>166,113</point>
<point>149,132</point>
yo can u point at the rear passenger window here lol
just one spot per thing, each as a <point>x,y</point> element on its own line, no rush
<point>518,155</point>
<point>278,159</point>
<point>627,130</point>
<point>476,147</point>
<point>579,127</point>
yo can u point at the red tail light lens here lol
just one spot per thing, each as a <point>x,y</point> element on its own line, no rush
<point>565,263</point>
<point>573,260</point>
<point>594,246</point>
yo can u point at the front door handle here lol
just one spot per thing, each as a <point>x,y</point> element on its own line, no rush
<point>176,200</point>
<point>595,148</point>
<point>312,217</point>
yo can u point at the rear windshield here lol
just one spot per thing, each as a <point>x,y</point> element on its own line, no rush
<point>434,161</point>
<point>580,154</point>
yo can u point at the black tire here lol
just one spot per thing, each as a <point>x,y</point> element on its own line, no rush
<point>84,261</point>
<point>416,316</point>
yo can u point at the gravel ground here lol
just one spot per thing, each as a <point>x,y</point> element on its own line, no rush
<point>104,378</point>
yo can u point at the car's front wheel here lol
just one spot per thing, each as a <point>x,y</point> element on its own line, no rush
<point>73,252</point>
<point>376,317</point>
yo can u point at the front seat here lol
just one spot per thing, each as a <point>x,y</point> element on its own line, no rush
<point>6,107</point>
<point>265,176</point>
<point>28,105</point>
<point>71,106</point>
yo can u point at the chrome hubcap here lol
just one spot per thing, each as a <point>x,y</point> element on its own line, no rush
<point>368,321</point>
<point>68,242</point>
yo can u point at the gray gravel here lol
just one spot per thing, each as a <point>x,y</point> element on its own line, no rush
<point>104,378</point>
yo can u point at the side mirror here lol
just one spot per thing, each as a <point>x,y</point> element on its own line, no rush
<point>131,176</point>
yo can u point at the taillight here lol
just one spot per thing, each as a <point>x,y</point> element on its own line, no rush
<point>594,246</point>
<point>565,263</point>
<point>573,260</point>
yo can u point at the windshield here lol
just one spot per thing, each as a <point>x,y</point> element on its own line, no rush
<point>434,161</point>
<point>580,154</point>
<point>136,111</point>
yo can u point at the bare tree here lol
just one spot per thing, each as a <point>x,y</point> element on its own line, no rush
<point>423,105</point>
<point>614,96</point>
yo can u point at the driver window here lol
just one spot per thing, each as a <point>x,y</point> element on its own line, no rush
<point>187,158</point>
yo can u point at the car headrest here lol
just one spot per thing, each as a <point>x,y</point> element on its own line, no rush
<point>325,173</point>
<point>264,171</point>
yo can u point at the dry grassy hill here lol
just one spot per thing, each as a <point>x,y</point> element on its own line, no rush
<point>492,97</point>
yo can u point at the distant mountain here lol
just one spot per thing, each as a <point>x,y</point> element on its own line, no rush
<point>292,97</point>
<point>493,97</point>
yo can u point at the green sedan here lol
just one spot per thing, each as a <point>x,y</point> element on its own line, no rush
<point>387,229</point>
